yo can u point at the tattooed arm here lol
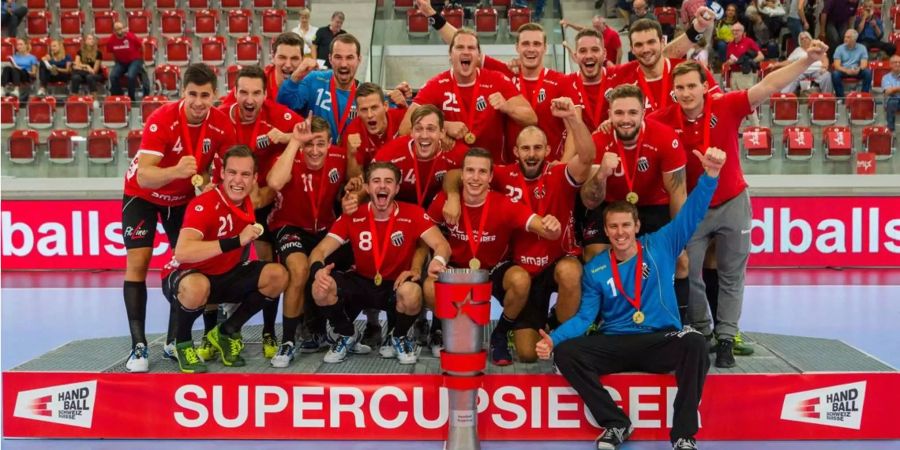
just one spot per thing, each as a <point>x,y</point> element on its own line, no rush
<point>674,184</point>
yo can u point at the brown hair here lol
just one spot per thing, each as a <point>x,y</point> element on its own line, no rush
<point>621,206</point>
<point>239,151</point>
<point>688,67</point>
<point>367,89</point>
<point>531,26</point>
<point>425,111</point>
<point>290,39</point>
<point>588,32</point>
<point>382,165</point>
<point>463,31</point>
<point>346,38</point>
<point>200,74</point>
<point>251,72</point>
<point>478,152</point>
<point>644,25</point>
<point>318,125</point>
<point>626,91</point>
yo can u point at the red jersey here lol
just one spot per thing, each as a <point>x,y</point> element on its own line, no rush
<point>591,98</point>
<point>659,152</point>
<point>503,217</point>
<point>215,217</point>
<point>125,49</point>
<point>611,43</point>
<point>480,118</point>
<point>726,112</point>
<point>271,87</point>
<point>306,201</point>
<point>369,144</point>
<point>552,192</point>
<point>400,151</point>
<point>408,224</point>
<point>254,134</point>
<point>162,137</point>
<point>539,92</point>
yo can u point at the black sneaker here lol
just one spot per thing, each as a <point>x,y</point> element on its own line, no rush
<point>685,444</point>
<point>612,438</point>
<point>725,353</point>
<point>500,354</point>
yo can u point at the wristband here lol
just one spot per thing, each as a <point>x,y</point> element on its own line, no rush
<point>441,259</point>
<point>315,267</point>
<point>692,34</point>
<point>230,244</point>
<point>437,21</point>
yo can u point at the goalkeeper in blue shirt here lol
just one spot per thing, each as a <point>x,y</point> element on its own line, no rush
<point>641,330</point>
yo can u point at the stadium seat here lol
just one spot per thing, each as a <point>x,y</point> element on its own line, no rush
<point>72,45</point>
<point>822,108</point>
<point>171,23</point>
<point>164,5</point>
<point>8,45</point>
<point>230,4</point>
<point>263,4</point>
<point>140,22</point>
<point>894,38</point>
<point>150,47</point>
<point>9,107</point>
<point>69,5</point>
<point>403,5</point>
<point>167,78</point>
<point>101,4</point>
<point>785,109</point>
<point>879,141</point>
<point>838,142</point>
<point>273,22</point>
<point>178,51</point>
<point>71,24</point>
<point>860,108</point>
<point>486,22</point>
<point>212,50</point>
<point>766,67</point>
<point>240,22</point>
<point>133,5</point>
<point>103,23</point>
<point>879,70</point>
<point>40,46</point>
<point>417,24</point>
<point>455,16</point>
<point>37,23</point>
<point>798,143</point>
<point>59,146</point>
<point>293,5</point>
<point>151,103</point>
<point>666,15</point>
<point>516,18</point>
<point>79,111</point>
<point>757,141</point>
<point>133,143</point>
<point>895,16</point>
<point>116,111</point>
<point>39,112</point>
<point>206,23</point>
<point>108,60</point>
<point>247,50</point>
<point>198,5</point>
<point>102,145</point>
<point>36,4</point>
<point>231,76</point>
<point>23,145</point>
<point>501,5</point>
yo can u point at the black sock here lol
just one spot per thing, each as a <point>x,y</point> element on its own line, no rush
<point>251,305</point>
<point>391,319</point>
<point>682,295</point>
<point>289,328</point>
<point>503,326</point>
<point>711,278</point>
<point>210,319</point>
<point>270,312</point>
<point>186,319</point>
<point>404,322</point>
<point>313,317</point>
<point>135,293</point>
<point>173,322</point>
<point>436,324</point>
<point>338,318</point>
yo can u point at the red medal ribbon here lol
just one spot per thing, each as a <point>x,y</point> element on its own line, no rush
<point>342,122</point>
<point>620,149</point>
<point>420,193</point>
<point>315,200</point>
<point>665,87</point>
<point>473,246</point>
<point>239,128</point>
<point>532,96</point>
<point>638,272</point>
<point>526,193</point>
<point>468,115</point>
<point>272,85</point>
<point>593,111</point>
<point>376,249</point>
<point>186,135</point>
<point>707,121</point>
<point>248,216</point>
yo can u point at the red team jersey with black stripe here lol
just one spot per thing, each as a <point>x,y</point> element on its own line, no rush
<point>661,152</point>
<point>294,203</point>
<point>487,122</point>
<point>410,224</point>
<point>370,144</point>
<point>727,112</point>
<point>551,193</point>
<point>504,218</point>
<point>210,215</point>
<point>401,153</point>
<point>162,137</point>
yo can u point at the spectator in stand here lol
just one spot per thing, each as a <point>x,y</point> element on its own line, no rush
<point>816,74</point>
<point>87,68</point>
<point>22,68</point>
<point>624,9</point>
<point>834,21</point>
<point>851,59</point>
<point>871,29</point>
<point>56,66</point>
<point>11,16</point>
<point>794,22</point>
<point>772,13</point>
<point>807,10</point>
<point>698,52</point>
<point>125,47</point>
<point>760,32</point>
<point>324,36</point>
<point>891,85</point>
<point>612,43</point>
<point>743,56</point>
<point>723,34</point>
<point>307,32</point>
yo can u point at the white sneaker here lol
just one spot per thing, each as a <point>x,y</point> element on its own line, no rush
<point>343,346</point>
<point>284,356</point>
<point>387,349</point>
<point>403,349</point>
<point>169,351</point>
<point>138,360</point>
<point>436,341</point>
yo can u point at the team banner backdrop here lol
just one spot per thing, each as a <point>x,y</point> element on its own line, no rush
<point>845,406</point>
<point>786,232</point>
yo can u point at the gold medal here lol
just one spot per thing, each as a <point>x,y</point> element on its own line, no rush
<point>378,279</point>
<point>474,264</point>
<point>632,198</point>
<point>638,317</point>
<point>469,138</point>
<point>259,228</point>
<point>197,180</point>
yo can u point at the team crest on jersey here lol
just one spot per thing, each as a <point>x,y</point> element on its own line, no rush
<point>352,112</point>
<point>539,192</point>
<point>333,175</point>
<point>262,141</point>
<point>645,271</point>
<point>713,120</point>
<point>480,104</point>
<point>397,238</point>
<point>207,145</point>
<point>542,94</point>
<point>643,164</point>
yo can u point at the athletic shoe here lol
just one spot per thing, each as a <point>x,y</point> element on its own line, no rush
<point>169,351</point>
<point>229,347</point>
<point>552,320</point>
<point>741,348</point>
<point>228,309</point>
<point>344,345</point>
<point>316,342</point>
<point>188,360</point>
<point>386,350</point>
<point>401,348</point>
<point>725,354</point>
<point>206,351</point>
<point>270,345</point>
<point>285,355</point>
<point>139,359</point>
<point>436,341</point>
<point>612,438</point>
<point>372,336</point>
<point>500,354</point>
<point>421,331</point>
<point>684,444</point>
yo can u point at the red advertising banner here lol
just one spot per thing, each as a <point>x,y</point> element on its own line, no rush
<point>786,232</point>
<point>844,406</point>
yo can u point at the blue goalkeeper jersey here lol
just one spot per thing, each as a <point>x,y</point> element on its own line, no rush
<point>312,94</point>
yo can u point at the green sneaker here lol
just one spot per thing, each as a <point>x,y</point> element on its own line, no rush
<point>741,348</point>
<point>228,346</point>
<point>206,350</point>
<point>270,345</point>
<point>188,360</point>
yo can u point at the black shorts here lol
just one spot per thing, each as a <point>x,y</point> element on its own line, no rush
<point>262,218</point>
<point>534,314</point>
<point>290,239</point>
<point>230,287</point>
<point>496,277</point>
<point>359,292</point>
<point>139,219</point>
<point>653,217</point>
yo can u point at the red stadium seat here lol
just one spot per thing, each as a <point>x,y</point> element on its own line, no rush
<point>240,22</point>
<point>878,140</point>
<point>140,22</point>
<point>69,5</point>
<point>273,22</point>
<point>101,4</point>
<point>501,5</point>
<point>455,16</point>
<point>37,23</point>
<point>879,70</point>
<point>8,45</point>
<point>486,22</point>
<point>206,23</point>
<point>79,111</point>
<point>150,47</point>
<point>247,50</point>
<point>894,38</point>
<point>231,76</point>
<point>59,146</point>
<point>838,142</point>
<point>133,5</point>
<point>766,67</point>
<point>36,4</point>
<point>230,4</point>
<point>104,21</point>
<point>263,4</point>
<point>895,16</point>
<point>40,46</point>
<point>71,24</point>
<point>197,5</point>
<point>212,50</point>
<point>417,23</point>
<point>167,78</point>
<point>102,145</point>
<point>822,109</point>
<point>785,109</point>
<point>23,146</point>
<point>133,143</point>
<point>860,108</point>
<point>9,107</point>
<point>39,112</point>
<point>518,17</point>
<point>72,45</point>
<point>152,103</point>
<point>116,111</point>
<point>294,4</point>
<point>164,5</point>
<point>178,51</point>
<point>757,141</point>
<point>798,142</point>
<point>403,5</point>
<point>171,23</point>
<point>666,15</point>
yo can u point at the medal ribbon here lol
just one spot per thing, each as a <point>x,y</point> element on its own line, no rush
<point>526,193</point>
<point>248,216</point>
<point>620,149</point>
<point>420,193</point>
<point>342,122</point>
<point>707,121</point>
<point>532,96</point>
<point>186,135</point>
<point>638,272</point>
<point>473,246</point>
<point>315,199</point>
<point>239,128</point>
<point>377,249</point>
<point>272,85</point>
<point>593,111</point>
<point>664,100</point>
<point>468,116</point>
